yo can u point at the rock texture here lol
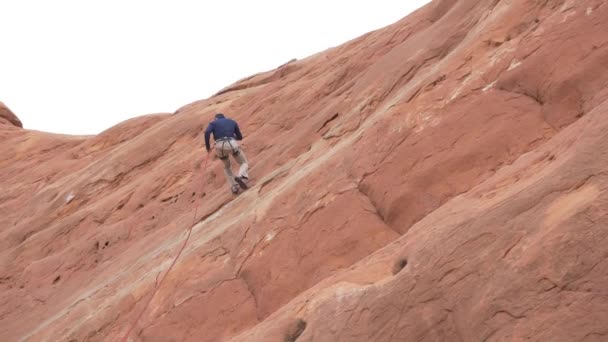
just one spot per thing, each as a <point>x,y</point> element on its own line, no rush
<point>442,179</point>
<point>8,117</point>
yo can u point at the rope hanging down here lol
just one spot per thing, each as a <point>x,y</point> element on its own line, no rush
<point>156,288</point>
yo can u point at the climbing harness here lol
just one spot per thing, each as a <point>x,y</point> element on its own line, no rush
<point>235,150</point>
<point>157,286</point>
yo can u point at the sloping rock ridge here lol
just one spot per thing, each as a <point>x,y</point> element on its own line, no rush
<point>8,117</point>
<point>442,179</point>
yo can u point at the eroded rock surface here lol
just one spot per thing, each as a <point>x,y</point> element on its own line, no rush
<point>442,179</point>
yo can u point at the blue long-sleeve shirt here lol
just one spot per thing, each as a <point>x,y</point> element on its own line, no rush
<point>222,128</point>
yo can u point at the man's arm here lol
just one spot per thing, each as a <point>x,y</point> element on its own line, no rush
<point>237,132</point>
<point>207,135</point>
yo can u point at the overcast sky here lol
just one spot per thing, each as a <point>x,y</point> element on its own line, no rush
<point>81,66</point>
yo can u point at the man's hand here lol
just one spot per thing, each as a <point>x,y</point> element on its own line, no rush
<point>214,156</point>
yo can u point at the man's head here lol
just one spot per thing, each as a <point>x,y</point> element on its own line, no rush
<point>219,116</point>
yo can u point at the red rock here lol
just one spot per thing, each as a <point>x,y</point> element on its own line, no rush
<point>8,117</point>
<point>441,179</point>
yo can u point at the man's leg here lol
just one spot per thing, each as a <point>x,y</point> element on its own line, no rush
<point>228,172</point>
<point>244,166</point>
<point>223,155</point>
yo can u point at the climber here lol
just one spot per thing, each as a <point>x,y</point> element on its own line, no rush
<point>226,132</point>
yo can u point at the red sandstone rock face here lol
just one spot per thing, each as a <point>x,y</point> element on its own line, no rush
<point>8,117</point>
<point>442,179</point>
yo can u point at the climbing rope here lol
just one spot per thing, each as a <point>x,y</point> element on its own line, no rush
<point>158,285</point>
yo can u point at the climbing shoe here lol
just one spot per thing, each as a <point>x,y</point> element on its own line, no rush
<point>235,189</point>
<point>241,182</point>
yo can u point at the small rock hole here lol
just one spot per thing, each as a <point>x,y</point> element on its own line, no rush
<point>399,265</point>
<point>120,206</point>
<point>193,194</point>
<point>56,280</point>
<point>295,331</point>
<point>140,206</point>
<point>97,245</point>
<point>167,199</point>
<point>107,243</point>
<point>552,158</point>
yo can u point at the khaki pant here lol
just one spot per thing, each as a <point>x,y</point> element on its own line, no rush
<point>226,148</point>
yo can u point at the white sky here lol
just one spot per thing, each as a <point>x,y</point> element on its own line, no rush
<point>81,66</point>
